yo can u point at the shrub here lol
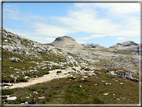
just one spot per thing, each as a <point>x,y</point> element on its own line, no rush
<point>7,92</point>
<point>21,79</point>
<point>59,71</point>
<point>7,79</point>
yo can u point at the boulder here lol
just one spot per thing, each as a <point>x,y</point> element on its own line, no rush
<point>11,98</point>
<point>14,59</point>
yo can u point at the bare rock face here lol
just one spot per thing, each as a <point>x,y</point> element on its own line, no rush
<point>124,45</point>
<point>92,45</point>
<point>66,42</point>
<point>128,46</point>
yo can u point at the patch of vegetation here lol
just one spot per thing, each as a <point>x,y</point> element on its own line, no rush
<point>135,75</point>
<point>7,92</point>
<point>122,52</point>
<point>77,91</point>
<point>59,71</point>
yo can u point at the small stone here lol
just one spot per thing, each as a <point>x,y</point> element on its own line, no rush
<point>41,97</point>
<point>82,78</point>
<point>105,93</point>
<point>118,98</point>
<point>103,81</point>
<point>26,102</point>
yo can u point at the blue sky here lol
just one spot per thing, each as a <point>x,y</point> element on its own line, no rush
<point>100,23</point>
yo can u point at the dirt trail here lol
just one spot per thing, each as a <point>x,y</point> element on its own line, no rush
<point>52,75</point>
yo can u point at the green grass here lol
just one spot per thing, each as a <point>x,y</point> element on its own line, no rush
<point>63,92</point>
<point>25,63</point>
<point>135,75</point>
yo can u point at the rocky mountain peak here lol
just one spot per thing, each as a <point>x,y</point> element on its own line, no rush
<point>64,38</point>
<point>125,45</point>
<point>66,42</point>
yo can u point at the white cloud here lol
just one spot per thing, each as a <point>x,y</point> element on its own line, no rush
<point>12,12</point>
<point>84,18</point>
<point>121,38</point>
<point>49,40</point>
<point>90,37</point>
<point>80,41</point>
<point>51,30</point>
<point>31,35</point>
<point>117,8</point>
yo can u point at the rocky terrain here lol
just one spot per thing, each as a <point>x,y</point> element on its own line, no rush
<point>27,62</point>
<point>128,46</point>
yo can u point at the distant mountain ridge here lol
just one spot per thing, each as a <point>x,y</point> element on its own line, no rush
<point>124,45</point>
<point>128,45</point>
<point>92,45</point>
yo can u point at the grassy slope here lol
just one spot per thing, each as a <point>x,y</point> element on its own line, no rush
<point>25,65</point>
<point>64,92</point>
<point>68,91</point>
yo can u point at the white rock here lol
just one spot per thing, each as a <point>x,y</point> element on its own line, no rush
<point>11,98</point>
<point>85,76</point>
<point>41,97</point>
<point>105,93</point>
<point>14,59</point>
<point>118,98</point>
<point>26,102</point>
<point>82,78</point>
<point>26,77</point>
<point>103,81</point>
<point>5,87</point>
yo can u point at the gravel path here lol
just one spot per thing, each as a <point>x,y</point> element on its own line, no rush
<point>52,75</point>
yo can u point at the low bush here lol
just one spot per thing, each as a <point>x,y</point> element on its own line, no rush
<point>59,72</point>
<point>7,92</point>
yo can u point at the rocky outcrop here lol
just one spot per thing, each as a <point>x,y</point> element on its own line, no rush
<point>123,75</point>
<point>66,42</point>
<point>93,46</point>
<point>124,45</point>
<point>70,60</point>
<point>129,46</point>
<point>17,44</point>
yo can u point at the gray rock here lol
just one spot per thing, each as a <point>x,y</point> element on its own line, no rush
<point>71,60</point>
<point>14,59</point>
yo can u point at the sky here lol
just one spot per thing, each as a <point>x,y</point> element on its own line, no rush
<point>105,24</point>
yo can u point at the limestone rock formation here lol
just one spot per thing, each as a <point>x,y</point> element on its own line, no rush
<point>66,42</point>
<point>92,45</point>
<point>66,52</point>
<point>13,59</point>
